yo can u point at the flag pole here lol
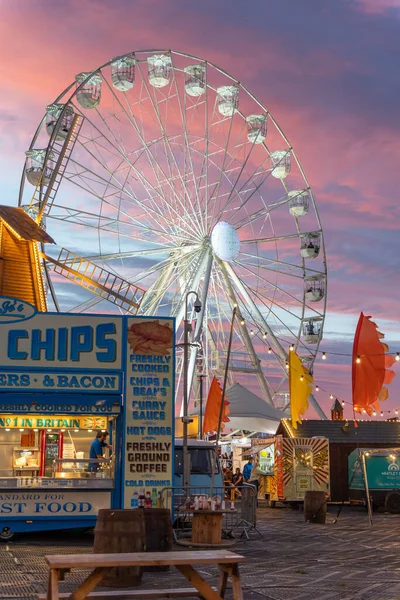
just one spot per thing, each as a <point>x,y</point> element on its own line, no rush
<point>221,408</point>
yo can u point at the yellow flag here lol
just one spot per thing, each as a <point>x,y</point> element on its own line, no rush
<point>300,387</point>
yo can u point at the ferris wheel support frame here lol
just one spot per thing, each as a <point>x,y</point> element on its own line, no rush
<point>247,340</point>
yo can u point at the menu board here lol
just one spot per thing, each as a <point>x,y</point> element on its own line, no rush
<point>149,409</point>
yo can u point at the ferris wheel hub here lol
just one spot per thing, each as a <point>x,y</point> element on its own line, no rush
<point>225,241</point>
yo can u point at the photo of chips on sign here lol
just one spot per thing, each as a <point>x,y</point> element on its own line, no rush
<point>150,337</point>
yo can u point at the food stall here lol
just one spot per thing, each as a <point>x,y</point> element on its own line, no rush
<point>288,467</point>
<point>63,379</point>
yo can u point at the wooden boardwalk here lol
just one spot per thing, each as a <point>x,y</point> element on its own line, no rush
<point>293,561</point>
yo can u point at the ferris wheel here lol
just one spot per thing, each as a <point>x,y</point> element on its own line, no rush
<point>159,174</point>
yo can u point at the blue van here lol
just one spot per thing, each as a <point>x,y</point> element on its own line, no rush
<point>202,459</point>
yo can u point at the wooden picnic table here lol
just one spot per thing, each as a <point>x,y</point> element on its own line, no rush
<point>228,564</point>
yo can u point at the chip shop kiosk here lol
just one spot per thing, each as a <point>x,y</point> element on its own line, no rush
<point>63,378</point>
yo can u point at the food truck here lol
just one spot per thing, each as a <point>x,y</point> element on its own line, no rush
<point>63,378</point>
<point>382,468</point>
<point>288,467</point>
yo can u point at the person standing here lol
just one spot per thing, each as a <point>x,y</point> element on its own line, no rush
<point>248,467</point>
<point>96,449</point>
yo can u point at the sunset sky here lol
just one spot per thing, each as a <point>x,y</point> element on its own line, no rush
<point>328,70</point>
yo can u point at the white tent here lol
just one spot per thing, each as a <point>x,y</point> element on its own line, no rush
<point>250,412</point>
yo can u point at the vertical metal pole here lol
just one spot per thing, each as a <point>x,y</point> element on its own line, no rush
<point>364,466</point>
<point>221,409</point>
<point>186,465</point>
<point>200,434</point>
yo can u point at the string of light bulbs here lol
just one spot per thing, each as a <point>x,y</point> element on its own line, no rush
<point>324,355</point>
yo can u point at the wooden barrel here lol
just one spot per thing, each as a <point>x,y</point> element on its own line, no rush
<point>315,507</point>
<point>158,529</point>
<point>120,531</point>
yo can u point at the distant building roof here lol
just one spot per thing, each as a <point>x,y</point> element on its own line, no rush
<point>367,432</point>
<point>23,225</point>
<point>337,406</point>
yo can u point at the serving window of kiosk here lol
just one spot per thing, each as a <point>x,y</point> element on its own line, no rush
<point>54,452</point>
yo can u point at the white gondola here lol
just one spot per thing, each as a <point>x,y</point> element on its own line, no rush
<point>195,79</point>
<point>34,168</point>
<point>159,67</point>
<point>314,288</point>
<point>123,72</point>
<point>299,202</point>
<point>310,244</point>
<point>227,100</point>
<point>280,163</point>
<point>89,94</point>
<point>53,112</point>
<point>312,330</point>
<point>33,212</point>
<point>256,128</point>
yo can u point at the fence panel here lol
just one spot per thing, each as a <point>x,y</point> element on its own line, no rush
<point>240,503</point>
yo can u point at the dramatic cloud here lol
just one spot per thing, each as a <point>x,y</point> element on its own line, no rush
<point>328,72</point>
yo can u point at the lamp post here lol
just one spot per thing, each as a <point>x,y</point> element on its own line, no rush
<point>185,419</point>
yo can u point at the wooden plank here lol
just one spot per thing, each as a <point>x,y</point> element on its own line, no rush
<point>206,591</point>
<point>89,584</point>
<point>143,559</point>
<point>132,594</point>
<point>236,584</point>
<point>52,589</point>
<point>223,580</point>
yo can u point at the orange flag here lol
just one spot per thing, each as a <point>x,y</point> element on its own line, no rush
<point>213,408</point>
<point>370,374</point>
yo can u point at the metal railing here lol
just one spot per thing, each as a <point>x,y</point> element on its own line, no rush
<point>238,521</point>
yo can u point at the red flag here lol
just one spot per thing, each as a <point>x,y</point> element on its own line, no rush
<point>369,374</point>
<point>213,407</point>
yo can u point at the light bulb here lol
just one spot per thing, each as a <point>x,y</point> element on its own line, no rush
<point>291,347</point>
<point>264,335</point>
<point>287,365</point>
<point>242,322</point>
<point>331,396</point>
<point>397,356</point>
<point>364,411</point>
<point>396,412</point>
<point>381,414</point>
<point>358,359</point>
<point>323,356</point>
<point>301,378</point>
<point>270,350</point>
<point>316,388</point>
<point>251,332</point>
<point>374,414</point>
<point>343,402</point>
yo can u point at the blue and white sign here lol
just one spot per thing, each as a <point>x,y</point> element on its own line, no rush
<point>52,503</point>
<point>58,352</point>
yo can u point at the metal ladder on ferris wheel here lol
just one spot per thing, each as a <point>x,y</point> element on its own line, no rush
<point>73,267</point>
<point>44,196</point>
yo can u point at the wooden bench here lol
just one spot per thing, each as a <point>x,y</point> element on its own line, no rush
<point>227,562</point>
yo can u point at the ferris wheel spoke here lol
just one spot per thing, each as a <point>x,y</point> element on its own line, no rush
<point>262,212</point>
<point>151,205</point>
<point>170,155</point>
<point>271,301</point>
<point>278,238</point>
<point>262,261</point>
<point>195,211</point>
<point>244,190</point>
